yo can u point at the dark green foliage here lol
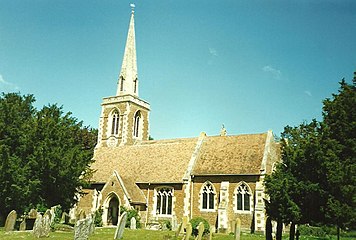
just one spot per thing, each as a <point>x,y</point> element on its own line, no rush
<point>166,224</point>
<point>130,214</point>
<point>44,155</point>
<point>98,218</point>
<point>315,183</point>
<point>195,222</point>
<point>58,214</point>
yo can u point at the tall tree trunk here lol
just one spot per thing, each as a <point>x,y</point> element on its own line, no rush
<point>338,232</point>
<point>292,231</point>
<point>269,229</point>
<point>279,230</point>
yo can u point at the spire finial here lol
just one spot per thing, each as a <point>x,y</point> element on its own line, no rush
<point>132,5</point>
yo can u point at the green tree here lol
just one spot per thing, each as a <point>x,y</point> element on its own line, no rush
<point>340,127</point>
<point>315,182</point>
<point>44,155</point>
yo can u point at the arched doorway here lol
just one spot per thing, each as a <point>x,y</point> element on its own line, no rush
<point>113,211</point>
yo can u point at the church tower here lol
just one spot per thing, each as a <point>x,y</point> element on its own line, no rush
<point>124,118</point>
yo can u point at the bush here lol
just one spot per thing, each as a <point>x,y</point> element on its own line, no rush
<point>98,218</point>
<point>57,213</point>
<point>195,222</point>
<point>165,225</point>
<point>306,230</point>
<point>130,214</point>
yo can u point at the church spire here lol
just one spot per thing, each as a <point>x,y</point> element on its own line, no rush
<point>128,80</point>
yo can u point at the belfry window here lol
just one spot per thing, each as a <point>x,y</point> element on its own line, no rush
<point>164,201</point>
<point>122,83</point>
<point>135,85</point>
<point>243,198</point>
<point>137,122</point>
<point>115,122</point>
<point>207,197</point>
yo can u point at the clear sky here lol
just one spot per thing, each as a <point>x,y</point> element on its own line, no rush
<point>251,65</point>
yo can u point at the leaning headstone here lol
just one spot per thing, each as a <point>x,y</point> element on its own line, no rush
<point>10,221</point>
<point>81,229</point>
<point>91,224</point>
<point>37,227</point>
<point>184,223</point>
<point>120,226</point>
<point>23,225</point>
<point>46,223</point>
<point>212,231</point>
<point>188,232</point>
<point>174,223</point>
<point>65,218</point>
<point>238,229</point>
<point>200,230</point>
<point>178,230</point>
<point>133,223</point>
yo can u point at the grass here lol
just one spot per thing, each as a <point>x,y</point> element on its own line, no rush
<point>139,234</point>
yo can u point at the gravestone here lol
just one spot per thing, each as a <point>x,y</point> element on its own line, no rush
<point>179,229</point>
<point>23,225</point>
<point>65,218</point>
<point>188,232</point>
<point>46,223</point>
<point>232,226</point>
<point>212,231</point>
<point>174,223</point>
<point>238,229</point>
<point>133,223</point>
<point>37,227</point>
<point>32,213</point>
<point>10,221</point>
<point>82,229</point>
<point>200,230</point>
<point>184,223</point>
<point>120,226</point>
<point>91,224</point>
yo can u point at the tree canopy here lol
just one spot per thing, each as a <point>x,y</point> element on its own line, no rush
<point>44,154</point>
<point>315,182</point>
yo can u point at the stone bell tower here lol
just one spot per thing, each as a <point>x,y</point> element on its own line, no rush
<point>124,118</point>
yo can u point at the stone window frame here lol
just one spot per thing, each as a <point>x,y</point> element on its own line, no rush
<point>201,197</point>
<point>137,125</point>
<point>249,190</point>
<point>155,201</point>
<point>113,129</point>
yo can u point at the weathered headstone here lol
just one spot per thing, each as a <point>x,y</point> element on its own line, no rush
<point>120,226</point>
<point>10,221</point>
<point>174,223</point>
<point>188,232</point>
<point>238,229</point>
<point>212,231</point>
<point>133,223</point>
<point>178,229</point>
<point>46,223</point>
<point>200,230</point>
<point>32,213</point>
<point>82,229</point>
<point>184,223</point>
<point>37,227</point>
<point>91,224</point>
<point>65,218</point>
<point>23,225</point>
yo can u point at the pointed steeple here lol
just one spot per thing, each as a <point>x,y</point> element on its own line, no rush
<point>128,79</point>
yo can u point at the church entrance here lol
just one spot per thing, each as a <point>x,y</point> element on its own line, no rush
<point>113,211</point>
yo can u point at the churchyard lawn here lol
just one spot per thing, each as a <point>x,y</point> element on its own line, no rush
<point>140,234</point>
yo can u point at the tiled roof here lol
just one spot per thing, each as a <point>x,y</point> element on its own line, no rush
<point>166,161</point>
<point>240,154</point>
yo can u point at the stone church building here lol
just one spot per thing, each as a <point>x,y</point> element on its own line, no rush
<point>218,178</point>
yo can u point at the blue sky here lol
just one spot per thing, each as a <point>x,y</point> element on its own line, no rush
<point>251,65</point>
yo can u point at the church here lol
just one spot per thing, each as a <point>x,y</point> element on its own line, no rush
<point>219,178</point>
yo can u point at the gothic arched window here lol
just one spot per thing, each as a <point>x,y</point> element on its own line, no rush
<point>243,198</point>
<point>207,195</point>
<point>115,116</point>
<point>137,122</point>
<point>164,201</point>
<point>122,79</point>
